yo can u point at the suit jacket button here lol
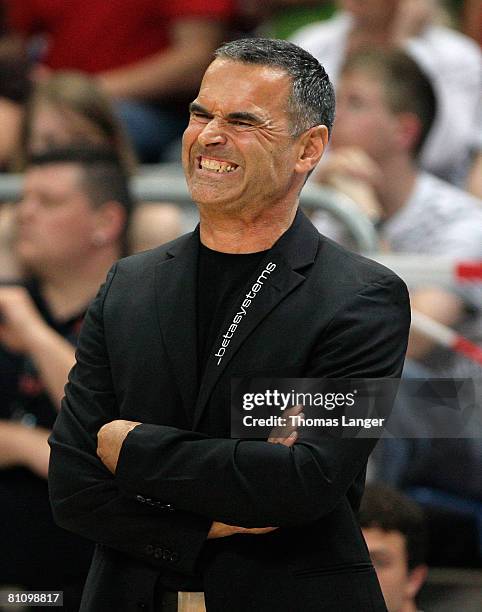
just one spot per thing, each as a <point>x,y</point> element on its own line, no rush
<point>142,605</point>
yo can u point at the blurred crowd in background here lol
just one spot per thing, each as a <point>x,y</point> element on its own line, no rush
<point>93,92</point>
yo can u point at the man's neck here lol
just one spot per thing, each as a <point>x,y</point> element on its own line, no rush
<point>399,177</point>
<point>245,232</point>
<point>69,289</point>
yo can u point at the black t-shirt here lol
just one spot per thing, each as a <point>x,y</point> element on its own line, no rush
<point>222,277</point>
<point>22,392</point>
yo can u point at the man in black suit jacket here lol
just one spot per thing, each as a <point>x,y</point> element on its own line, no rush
<point>142,461</point>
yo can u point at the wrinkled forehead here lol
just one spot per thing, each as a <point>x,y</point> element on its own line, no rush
<point>231,86</point>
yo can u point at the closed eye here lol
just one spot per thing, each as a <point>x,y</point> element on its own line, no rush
<point>200,116</point>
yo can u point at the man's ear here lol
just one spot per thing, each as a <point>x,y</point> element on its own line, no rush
<point>416,578</point>
<point>408,132</point>
<point>312,145</point>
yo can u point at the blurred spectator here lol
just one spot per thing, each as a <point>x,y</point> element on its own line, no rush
<point>385,109</point>
<point>69,108</point>
<point>14,92</point>
<point>395,532</point>
<point>147,55</point>
<point>71,227</point>
<point>451,60</point>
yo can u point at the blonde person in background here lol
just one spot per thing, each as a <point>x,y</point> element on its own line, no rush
<point>69,109</point>
<point>147,56</point>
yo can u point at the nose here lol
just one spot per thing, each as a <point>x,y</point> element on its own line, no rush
<point>213,133</point>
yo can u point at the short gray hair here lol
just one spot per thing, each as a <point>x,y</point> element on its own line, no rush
<point>312,99</point>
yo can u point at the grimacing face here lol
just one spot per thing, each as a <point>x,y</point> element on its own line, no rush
<point>238,151</point>
<point>55,221</point>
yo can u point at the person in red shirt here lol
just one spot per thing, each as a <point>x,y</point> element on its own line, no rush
<point>147,55</point>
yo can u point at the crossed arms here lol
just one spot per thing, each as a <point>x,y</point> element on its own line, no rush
<point>190,479</point>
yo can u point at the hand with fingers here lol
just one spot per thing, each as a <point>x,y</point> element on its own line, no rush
<point>288,433</point>
<point>112,435</point>
<point>20,320</point>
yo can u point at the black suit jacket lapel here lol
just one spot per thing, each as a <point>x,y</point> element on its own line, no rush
<point>176,302</point>
<point>295,250</point>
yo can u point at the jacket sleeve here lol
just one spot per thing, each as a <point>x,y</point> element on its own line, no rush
<point>85,497</point>
<point>254,483</point>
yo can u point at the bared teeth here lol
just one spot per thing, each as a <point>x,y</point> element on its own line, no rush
<point>217,166</point>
